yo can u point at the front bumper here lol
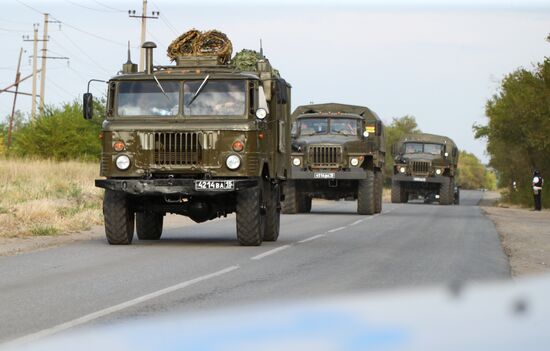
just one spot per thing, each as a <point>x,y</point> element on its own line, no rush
<point>349,174</point>
<point>184,187</point>
<point>418,179</point>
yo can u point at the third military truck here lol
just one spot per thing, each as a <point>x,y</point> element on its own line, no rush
<point>337,153</point>
<point>425,166</point>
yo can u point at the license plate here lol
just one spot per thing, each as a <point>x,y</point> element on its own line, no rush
<point>321,175</point>
<point>214,185</point>
<point>419,179</point>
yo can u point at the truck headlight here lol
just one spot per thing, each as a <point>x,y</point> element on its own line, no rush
<point>438,171</point>
<point>122,162</point>
<point>354,161</point>
<point>402,169</point>
<point>233,162</point>
<point>296,161</point>
<point>261,113</point>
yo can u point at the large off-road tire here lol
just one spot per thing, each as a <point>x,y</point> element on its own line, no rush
<point>446,192</point>
<point>378,188</point>
<point>398,194</point>
<point>290,205</point>
<point>272,212</point>
<point>457,197</point>
<point>365,194</point>
<point>119,218</point>
<point>149,225</point>
<point>250,220</point>
<point>304,203</point>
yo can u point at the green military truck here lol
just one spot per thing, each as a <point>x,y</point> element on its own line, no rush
<point>337,153</point>
<point>425,165</point>
<point>200,138</point>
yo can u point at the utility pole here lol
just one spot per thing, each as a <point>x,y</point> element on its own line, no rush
<point>144,17</point>
<point>34,70</point>
<point>17,76</point>
<point>44,57</point>
<point>43,70</point>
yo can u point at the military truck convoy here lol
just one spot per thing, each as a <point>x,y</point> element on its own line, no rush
<point>337,153</point>
<point>425,165</point>
<point>211,135</point>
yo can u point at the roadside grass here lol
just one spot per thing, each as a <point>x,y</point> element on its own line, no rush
<point>45,198</point>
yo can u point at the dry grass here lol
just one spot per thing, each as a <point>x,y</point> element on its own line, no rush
<point>47,197</point>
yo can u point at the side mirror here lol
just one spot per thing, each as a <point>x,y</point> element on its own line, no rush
<point>379,128</point>
<point>88,106</point>
<point>394,150</point>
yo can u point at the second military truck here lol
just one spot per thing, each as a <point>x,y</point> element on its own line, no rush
<point>425,165</point>
<point>337,153</point>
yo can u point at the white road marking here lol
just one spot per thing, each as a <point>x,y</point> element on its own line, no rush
<point>102,313</point>
<point>356,222</point>
<point>270,252</point>
<point>336,229</point>
<point>311,238</point>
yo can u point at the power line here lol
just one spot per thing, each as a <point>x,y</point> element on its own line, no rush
<point>108,7</point>
<point>30,7</point>
<point>84,53</point>
<point>87,7</point>
<point>164,19</point>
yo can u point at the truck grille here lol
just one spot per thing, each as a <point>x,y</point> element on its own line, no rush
<point>178,148</point>
<point>421,167</point>
<point>325,156</point>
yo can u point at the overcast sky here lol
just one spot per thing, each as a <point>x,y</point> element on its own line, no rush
<point>436,60</point>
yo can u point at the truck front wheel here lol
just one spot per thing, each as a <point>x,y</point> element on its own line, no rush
<point>250,220</point>
<point>365,194</point>
<point>378,188</point>
<point>446,196</point>
<point>290,205</point>
<point>398,193</point>
<point>119,218</point>
<point>272,212</point>
<point>149,225</point>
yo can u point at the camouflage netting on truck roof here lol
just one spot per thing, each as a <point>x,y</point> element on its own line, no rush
<point>246,60</point>
<point>197,43</point>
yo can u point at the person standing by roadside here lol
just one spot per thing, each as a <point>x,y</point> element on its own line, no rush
<point>538,182</point>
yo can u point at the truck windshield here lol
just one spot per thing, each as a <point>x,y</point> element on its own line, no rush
<point>312,126</point>
<point>340,126</point>
<point>412,148</point>
<point>145,98</point>
<point>343,126</point>
<point>216,98</point>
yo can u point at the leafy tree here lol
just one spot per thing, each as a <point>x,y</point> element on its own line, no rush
<point>518,129</point>
<point>60,133</point>
<point>472,174</point>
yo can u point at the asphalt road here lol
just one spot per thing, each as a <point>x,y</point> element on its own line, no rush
<point>201,267</point>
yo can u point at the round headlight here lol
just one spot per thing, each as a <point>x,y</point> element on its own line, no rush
<point>354,161</point>
<point>438,171</point>
<point>296,161</point>
<point>366,134</point>
<point>261,113</point>
<point>402,169</point>
<point>122,162</point>
<point>233,162</point>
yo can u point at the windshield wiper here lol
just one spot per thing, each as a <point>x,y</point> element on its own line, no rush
<point>161,88</point>
<point>198,91</point>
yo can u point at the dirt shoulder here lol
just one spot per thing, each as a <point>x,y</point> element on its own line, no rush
<point>20,245</point>
<point>525,236</point>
